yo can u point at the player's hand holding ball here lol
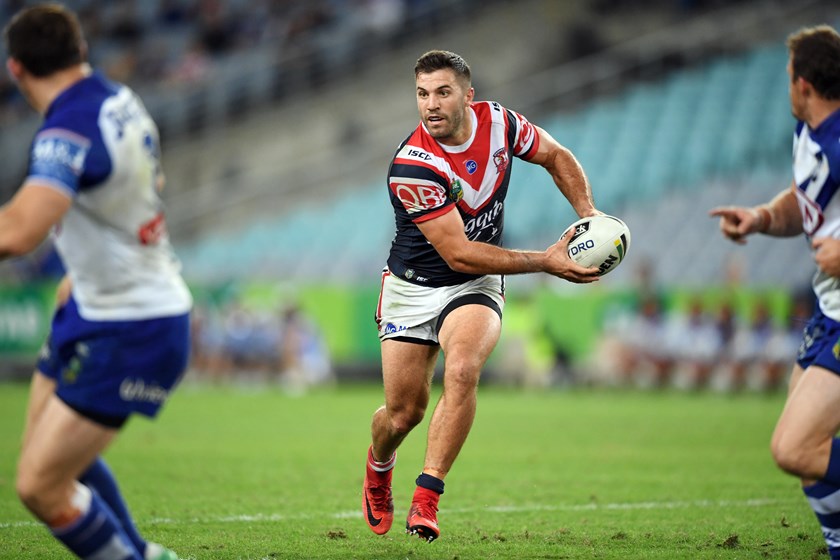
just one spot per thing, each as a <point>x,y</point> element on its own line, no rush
<point>599,242</point>
<point>561,265</point>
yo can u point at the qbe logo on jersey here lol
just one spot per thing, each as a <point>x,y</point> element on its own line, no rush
<point>419,195</point>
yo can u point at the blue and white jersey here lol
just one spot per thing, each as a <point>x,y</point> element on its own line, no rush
<point>816,172</point>
<point>99,146</point>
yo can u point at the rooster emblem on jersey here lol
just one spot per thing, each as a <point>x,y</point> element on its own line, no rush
<point>500,158</point>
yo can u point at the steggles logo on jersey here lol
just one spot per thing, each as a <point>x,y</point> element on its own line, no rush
<point>500,158</point>
<point>471,166</point>
<point>456,191</point>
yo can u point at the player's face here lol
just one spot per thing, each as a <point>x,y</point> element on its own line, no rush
<point>442,100</point>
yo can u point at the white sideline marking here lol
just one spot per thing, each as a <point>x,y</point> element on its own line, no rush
<point>245,518</point>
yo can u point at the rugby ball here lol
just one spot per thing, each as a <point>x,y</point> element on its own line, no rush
<point>600,241</point>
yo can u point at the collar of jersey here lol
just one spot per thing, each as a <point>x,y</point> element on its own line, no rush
<point>466,145</point>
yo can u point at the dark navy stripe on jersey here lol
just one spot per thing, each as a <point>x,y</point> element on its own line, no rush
<point>511,133</point>
<point>826,136</point>
<point>827,192</point>
<point>417,172</point>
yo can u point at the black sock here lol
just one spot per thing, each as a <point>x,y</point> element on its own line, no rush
<point>430,482</point>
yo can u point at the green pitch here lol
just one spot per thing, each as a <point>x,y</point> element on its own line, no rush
<point>230,473</point>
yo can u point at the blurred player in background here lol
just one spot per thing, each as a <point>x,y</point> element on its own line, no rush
<point>442,288</point>
<point>804,442</point>
<point>119,339</point>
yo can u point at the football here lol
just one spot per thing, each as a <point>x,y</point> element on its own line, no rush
<point>601,241</point>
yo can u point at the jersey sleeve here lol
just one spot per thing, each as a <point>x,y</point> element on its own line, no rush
<point>68,152</point>
<point>832,152</point>
<point>418,185</point>
<point>526,141</point>
<point>58,158</point>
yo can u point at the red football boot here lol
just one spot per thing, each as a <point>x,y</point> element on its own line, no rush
<point>377,502</point>
<point>422,517</point>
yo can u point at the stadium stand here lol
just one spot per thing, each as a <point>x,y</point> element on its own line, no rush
<point>636,161</point>
<point>669,107</point>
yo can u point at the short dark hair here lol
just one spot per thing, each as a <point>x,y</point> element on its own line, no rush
<point>442,60</point>
<point>815,56</point>
<point>45,39</point>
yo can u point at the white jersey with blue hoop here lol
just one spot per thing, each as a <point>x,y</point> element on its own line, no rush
<point>816,172</point>
<point>99,146</point>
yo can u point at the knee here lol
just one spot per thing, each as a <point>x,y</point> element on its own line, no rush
<point>404,420</point>
<point>40,493</point>
<point>29,491</point>
<point>461,376</point>
<point>794,458</point>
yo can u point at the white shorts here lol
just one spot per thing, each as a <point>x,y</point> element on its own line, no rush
<point>415,313</point>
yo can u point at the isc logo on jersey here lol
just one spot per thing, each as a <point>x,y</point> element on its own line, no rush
<point>419,154</point>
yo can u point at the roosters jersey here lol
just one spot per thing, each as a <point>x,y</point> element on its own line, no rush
<point>99,146</point>
<point>427,179</point>
<point>816,172</point>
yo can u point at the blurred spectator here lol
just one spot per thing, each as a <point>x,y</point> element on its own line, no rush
<point>193,67</point>
<point>695,341</point>
<point>207,332</point>
<point>126,28</point>
<point>240,343</point>
<point>174,13</point>
<point>253,24</point>
<point>633,344</point>
<point>304,361</point>
<point>782,347</point>
<point>152,61</point>
<point>234,342</point>
<point>382,18</point>
<point>315,40</point>
<point>215,29</point>
<point>749,347</point>
<point>582,38</point>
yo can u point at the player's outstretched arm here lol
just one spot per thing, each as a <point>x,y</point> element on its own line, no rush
<point>446,234</point>
<point>26,220</point>
<point>779,218</point>
<point>566,172</point>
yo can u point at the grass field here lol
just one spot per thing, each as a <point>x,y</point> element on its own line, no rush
<point>230,473</point>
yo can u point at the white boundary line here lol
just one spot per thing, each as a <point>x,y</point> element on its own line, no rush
<point>261,517</point>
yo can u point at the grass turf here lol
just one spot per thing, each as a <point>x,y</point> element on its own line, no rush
<point>228,473</point>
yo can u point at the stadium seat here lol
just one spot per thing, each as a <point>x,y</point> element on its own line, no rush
<point>664,149</point>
